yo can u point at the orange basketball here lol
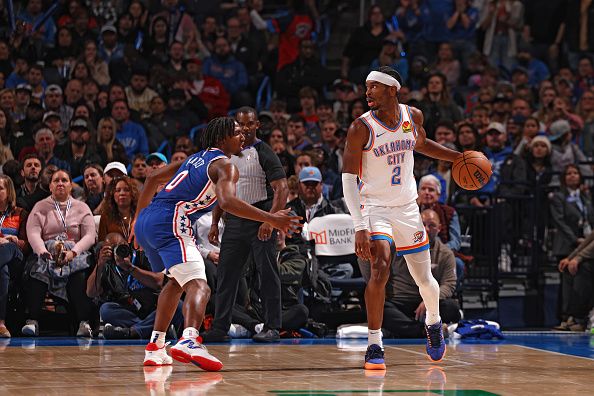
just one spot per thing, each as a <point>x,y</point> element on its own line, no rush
<point>471,170</point>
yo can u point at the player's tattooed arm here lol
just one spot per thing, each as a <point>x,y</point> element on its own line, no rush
<point>427,146</point>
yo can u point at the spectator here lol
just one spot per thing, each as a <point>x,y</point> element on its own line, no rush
<point>129,133</point>
<point>54,101</point>
<point>538,162</point>
<point>52,120</point>
<point>501,21</point>
<point>404,309</point>
<point>263,184</point>
<point>501,109</point>
<point>251,54</point>
<point>565,152</point>
<point>109,48</point>
<point>364,45</point>
<point>208,89</point>
<point>305,71</point>
<point>81,148</point>
<point>179,115</point>
<point>32,15</point>
<point>30,171</point>
<point>176,58</point>
<point>118,207</point>
<point>64,51</point>
<point>530,129</point>
<point>576,299</point>
<point>155,161</point>
<point>97,66</point>
<point>296,133</point>
<point>307,103</point>
<point>42,190</point>
<point>73,92</point>
<point>13,243</point>
<point>585,110</point>
<point>575,30</point>
<point>128,290</point>
<point>35,80</point>
<point>61,231</point>
<point>572,213</point>
<point>542,21</point>
<point>437,104</point>
<point>138,94</point>
<point>22,99</point>
<point>223,66</point>
<point>156,45</point>
<point>176,16</point>
<point>139,168</point>
<point>537,69</point>
<point>310,202</point>
<point>462,29</point>
<point>93,185</point>
<point>521,107</point>
<point>445,132</point>
<point>430,189</point>
<point>45,143</point>
<point>468,137</point>
<point>391,55</point>
<point>158,127</point>
<point>447,65</point>
<point>179,156</point>
<point>106,138</point>
<point>114,170</point>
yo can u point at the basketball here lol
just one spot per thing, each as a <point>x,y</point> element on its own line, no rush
<point>471,170</point>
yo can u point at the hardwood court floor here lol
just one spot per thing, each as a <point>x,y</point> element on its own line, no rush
<point>521,365</point>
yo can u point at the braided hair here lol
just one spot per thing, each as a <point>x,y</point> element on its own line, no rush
<point>217,130</point>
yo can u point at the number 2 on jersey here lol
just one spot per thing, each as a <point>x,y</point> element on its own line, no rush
<point>177,179</point>
<point>396,175</point>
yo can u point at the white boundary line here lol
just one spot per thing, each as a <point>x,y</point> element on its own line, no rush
<point>554,352</point>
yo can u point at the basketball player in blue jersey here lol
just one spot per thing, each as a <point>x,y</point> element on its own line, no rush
<point>379,151</point>
<point>164,230</point>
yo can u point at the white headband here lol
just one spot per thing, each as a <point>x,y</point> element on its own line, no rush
<point>384,79</point>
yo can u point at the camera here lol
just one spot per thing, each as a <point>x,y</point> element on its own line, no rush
<point>122,251</point>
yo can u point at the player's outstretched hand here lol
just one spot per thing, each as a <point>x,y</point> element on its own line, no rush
<point>363,245</point>
<point>286,222</point>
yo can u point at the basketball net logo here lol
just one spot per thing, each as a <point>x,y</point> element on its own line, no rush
<point>320,238</point>
<point>418,236</point>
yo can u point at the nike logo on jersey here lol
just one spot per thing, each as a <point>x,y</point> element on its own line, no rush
<point>380,134</point>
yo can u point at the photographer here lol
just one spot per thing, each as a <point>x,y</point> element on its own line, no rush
<point>128,290</point>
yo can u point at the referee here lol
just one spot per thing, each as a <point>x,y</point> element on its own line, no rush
<point>262,183</point>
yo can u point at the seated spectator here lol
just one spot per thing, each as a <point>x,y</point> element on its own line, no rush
<point>467,137</point>
<point>30,171</point>
<point>208,89</point>
<point>13,243</point>
<point>61,230</point>
<point>296,134</point>
<point>45,143</point>
<point>118,207</point>
<point>390,56</point>
<point>229,71</point>
<point>139,168</point>
<point>179,156</point>
<point>530,129</point>
<point>106,138</point>
<point>449,232</point>
<point>310,203</point>
<point>437,104</point>
<point>97,66</point>
<point>42,190</point>
<point>447,65</point>
<point>138,93</point>
<point>565,152</point>
<point>129,133</point>
<point>128,290</point>
<point>81,149</point>
<point>404,309</point>
<point>445,132</point>
<point>93,185</point>
<point>577,273</point>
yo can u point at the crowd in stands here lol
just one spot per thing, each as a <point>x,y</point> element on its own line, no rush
<point>97,94</point>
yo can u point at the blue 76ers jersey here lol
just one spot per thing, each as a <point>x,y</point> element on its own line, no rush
<point>190,191</point>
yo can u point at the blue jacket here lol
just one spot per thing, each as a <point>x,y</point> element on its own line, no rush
<point>497,159</point>
<point>133,138</point>
<point>231,72</point>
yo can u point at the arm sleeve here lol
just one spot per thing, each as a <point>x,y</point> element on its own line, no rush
<point>270,163</point>
<point>353,200</point>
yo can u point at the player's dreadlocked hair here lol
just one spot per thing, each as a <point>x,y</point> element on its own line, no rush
<point>217,130</point>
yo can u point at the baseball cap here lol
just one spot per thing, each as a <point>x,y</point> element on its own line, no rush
<point>496,126</point>
<point>54,88</point>
<point>108,28</point>
<point>49,115</point>
<point>558,129</point>
<point>310,173</point>
<point>24,87</point>
<point>158,156</point>
<point>117,166</point>
<point>501,97</point>
<point>79,122</point>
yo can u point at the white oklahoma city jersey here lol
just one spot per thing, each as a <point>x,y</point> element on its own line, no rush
<point>386,171</point>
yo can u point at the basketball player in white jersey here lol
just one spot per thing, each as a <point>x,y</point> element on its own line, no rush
<point>379,151</point>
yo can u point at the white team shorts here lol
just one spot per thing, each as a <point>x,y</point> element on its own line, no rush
<point>185,272</point>
<point>400,225</point>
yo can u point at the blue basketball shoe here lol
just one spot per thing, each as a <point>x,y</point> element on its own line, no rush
<point>435,342</point>
<point>374,358</point>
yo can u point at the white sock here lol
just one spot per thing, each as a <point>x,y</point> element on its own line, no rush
<point>158,337</point>
<point>190,332</point>
<point>375,337</point>
<point>419,266</point>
